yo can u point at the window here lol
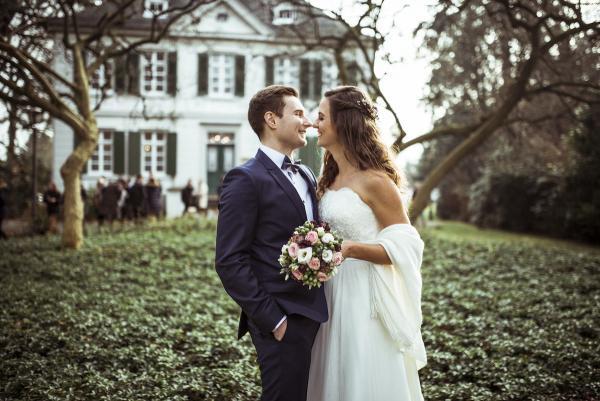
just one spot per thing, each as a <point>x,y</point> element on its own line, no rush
<point>222,17</point>
<point>286,71</point>
<point>102,159</point>
<point>154,73</point>
<point>102,77</point>
<point>155,7</point>
<point>221,75</point>
<point>285,14</point>
<point>154,152</point>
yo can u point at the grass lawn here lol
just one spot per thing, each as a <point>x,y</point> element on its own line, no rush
<point>139,314</point>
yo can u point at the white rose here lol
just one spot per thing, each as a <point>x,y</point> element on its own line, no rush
<point>327,255</point>
<point>320,231</point>
<point>304,255</point>
<point>284,249</point>
<point>327,238</point>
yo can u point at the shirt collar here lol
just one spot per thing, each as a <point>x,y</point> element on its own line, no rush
<point>275,156</point>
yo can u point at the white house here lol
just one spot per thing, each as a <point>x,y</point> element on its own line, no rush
<point>178,109</point>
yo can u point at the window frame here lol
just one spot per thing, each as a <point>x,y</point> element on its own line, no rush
<point>153,142</point>
<point>289,71</point>
<point>99,79</point>
<point>221,62</point>
<point>154,64</point>
<point>100,153</point>
<point>148,5</point>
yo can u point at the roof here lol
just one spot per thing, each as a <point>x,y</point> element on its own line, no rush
<point>132,20</point>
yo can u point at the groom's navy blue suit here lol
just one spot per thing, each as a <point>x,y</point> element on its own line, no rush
<point>258,211</point>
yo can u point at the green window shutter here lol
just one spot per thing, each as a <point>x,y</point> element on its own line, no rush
<point>318,81</point>
<point>269,80</point>
<point>240,75</point>
<point>202,74</point>
<point>135,153</point>
<point>119,152</point>
<point>76,142</point>
<point>172,154</point>
<point>133,73</point>
<point>172,74</point>
<point>304,79</point>
<point>311,155</point>
<point>120,75</point>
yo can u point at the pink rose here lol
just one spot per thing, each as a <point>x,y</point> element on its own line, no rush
<point>322,277</point>
<point>293,250</point>
<point>337,258</point>
<point>314,263</point>
<point>297,274</point>
<point>312,237</point>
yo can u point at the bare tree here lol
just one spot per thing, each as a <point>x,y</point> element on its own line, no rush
<point>523,38</point>
<point>526,42</point>
<point>86,35</point>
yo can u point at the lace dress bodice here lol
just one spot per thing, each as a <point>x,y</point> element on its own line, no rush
<point>348,214</point>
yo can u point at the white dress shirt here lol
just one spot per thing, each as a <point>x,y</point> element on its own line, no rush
<point>299,183</point>
<point>296,179</point>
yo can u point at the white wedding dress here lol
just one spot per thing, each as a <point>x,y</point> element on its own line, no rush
<point>354,357</point>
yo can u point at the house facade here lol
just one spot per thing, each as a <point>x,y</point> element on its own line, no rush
<point>178,109</point>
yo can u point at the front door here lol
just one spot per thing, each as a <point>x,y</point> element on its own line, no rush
<point>219,159</point>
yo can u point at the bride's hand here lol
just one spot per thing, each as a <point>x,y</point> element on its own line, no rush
<point>347,246</point>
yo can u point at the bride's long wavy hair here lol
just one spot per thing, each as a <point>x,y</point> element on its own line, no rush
<point>354,118</point>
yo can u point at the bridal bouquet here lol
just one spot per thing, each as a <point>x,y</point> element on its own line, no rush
<point>312,254</point>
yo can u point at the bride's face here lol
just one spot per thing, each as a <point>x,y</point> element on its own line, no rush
<point>326,132</point>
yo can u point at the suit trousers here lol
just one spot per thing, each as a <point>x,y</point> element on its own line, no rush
<point>284,365</point>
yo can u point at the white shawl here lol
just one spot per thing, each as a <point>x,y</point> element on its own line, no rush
<point>396,289</point>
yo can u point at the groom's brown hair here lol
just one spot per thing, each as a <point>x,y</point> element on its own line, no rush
<point>268,99</point>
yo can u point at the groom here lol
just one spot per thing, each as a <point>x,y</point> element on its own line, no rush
<point>261,202</point>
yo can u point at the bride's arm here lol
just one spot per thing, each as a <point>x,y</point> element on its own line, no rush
<point>383,196</point>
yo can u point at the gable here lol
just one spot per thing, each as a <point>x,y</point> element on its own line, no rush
<point>222,17</point>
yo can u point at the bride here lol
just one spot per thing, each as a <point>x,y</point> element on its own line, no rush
<point>371,347</point>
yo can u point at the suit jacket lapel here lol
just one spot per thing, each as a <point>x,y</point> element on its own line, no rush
<point>285,184</point>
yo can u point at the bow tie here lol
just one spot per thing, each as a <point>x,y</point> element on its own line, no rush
<point>292,165</point>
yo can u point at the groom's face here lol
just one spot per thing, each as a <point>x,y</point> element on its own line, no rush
<point>292,125</point>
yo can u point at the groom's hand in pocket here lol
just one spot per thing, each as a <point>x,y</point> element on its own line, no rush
<point>280,331</point>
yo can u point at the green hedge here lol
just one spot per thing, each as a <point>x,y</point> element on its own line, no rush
<point>140,314</point>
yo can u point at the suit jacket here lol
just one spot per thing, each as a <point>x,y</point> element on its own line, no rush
<point>258,211</point>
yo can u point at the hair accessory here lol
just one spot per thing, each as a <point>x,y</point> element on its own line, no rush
<point>367,108</point>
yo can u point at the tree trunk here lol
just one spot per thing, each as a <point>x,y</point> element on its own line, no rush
<point>70,172</point>
<point>515,94</point>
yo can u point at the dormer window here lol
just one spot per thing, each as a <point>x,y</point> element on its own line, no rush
<point>155,7</point>
<point>285,14</point>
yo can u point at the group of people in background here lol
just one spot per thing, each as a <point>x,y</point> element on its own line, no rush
<point>125,200</point>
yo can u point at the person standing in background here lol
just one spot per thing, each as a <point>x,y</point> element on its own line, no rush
<point>137,198</point>
<point>153,197</point>
<point>52,199</point>
<point>110,201</point>
<point>122,202</point>
<point>187,198</point>
<point>100,213</point>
